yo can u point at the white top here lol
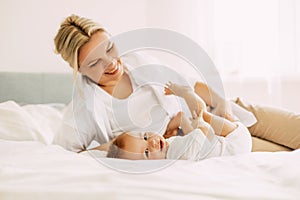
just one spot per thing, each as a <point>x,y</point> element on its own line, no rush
<point>196,146</point>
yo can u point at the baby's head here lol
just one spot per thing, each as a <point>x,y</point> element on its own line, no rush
<point>138,146</point>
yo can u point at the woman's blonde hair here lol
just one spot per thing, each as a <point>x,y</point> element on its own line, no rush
<point>73,33</point>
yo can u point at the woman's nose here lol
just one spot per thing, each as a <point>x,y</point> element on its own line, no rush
<point>106,62</point>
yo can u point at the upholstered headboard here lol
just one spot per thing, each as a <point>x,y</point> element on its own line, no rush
<point>36,87</point>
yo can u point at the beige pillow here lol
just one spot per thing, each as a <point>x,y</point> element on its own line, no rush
<point>274,124</point>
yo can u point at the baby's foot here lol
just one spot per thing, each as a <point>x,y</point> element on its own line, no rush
<point>194,102</point>
<point>178,90</point>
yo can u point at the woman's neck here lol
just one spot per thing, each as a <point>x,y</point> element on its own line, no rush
<point>122,89</point>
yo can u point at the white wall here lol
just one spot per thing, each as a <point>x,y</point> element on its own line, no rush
<point>192,18</point>
<point>274,91</point>
<point>28,28</point>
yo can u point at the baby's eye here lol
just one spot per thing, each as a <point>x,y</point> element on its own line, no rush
<point>145,136</point>
<point>147,152</point>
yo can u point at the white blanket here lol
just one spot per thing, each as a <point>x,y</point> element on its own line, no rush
<point>35,169</point>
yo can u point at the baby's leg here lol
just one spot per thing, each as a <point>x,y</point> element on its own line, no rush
<point>197,107</point>
<point>221,126</point>
<point>199,123</point>
<point>194,102</point>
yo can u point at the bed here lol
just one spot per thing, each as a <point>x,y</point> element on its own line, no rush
<point>32,168</point>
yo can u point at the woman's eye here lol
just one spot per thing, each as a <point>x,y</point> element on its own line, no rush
<point>94,64</point>
<point>145,136</point>
<point>110,48</point>
<point>147,152</point>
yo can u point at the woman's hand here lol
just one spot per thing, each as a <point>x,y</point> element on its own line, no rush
<point>179,123</point>
<point>170,133</point>
<point>173,126</point>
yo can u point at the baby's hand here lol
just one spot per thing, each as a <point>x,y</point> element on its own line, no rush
<point>175,89</point>
<point>195,119</point>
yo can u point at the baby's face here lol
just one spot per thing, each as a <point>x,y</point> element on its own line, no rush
<point>143,146</point>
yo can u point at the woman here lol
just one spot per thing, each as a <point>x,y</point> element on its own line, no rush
<point>105,85</point>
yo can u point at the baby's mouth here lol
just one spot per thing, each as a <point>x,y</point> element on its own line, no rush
<point>161,145</point>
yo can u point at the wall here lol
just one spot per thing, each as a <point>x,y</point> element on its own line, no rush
<point>192,18</point>
<point>274,91</point>
<point>28,28</point>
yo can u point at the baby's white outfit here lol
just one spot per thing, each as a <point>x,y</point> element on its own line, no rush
<point>197,146</point>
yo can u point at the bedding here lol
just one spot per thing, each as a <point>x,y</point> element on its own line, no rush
<point>36,122</point>
<point>33,170</point>
<point>31,167</point>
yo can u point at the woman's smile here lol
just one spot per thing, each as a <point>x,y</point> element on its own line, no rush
<point>113,70</point>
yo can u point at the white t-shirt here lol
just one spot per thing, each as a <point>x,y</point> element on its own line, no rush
<point>196,146</point>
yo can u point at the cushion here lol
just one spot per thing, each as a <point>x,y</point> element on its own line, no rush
<point>33,122</point>
<point>274,124</point>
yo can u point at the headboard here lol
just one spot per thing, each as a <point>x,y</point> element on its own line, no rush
<point>34,88</point>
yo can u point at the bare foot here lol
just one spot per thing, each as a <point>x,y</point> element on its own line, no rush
<point>178,90</point>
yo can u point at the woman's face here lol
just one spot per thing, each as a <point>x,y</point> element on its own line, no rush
<point>143,146</point>
<point>98,59</point>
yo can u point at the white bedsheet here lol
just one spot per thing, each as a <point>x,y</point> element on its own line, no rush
<point>31,170</point>
<point>35,169</point>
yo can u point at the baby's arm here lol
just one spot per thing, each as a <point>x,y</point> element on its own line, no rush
<point>197,107</point>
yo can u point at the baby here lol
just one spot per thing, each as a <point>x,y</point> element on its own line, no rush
<point>205,135</point>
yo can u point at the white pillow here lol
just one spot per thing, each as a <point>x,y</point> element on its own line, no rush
<point>30,122</point>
